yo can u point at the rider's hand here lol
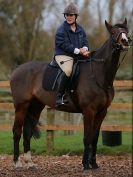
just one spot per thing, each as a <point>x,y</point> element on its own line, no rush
<point>83,50</point>
<point>86,54</point>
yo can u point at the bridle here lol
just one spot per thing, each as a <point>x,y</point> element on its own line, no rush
<point>116,47</point>
<point>115,35</point>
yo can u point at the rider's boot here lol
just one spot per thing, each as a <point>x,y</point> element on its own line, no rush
<point>61,90</point>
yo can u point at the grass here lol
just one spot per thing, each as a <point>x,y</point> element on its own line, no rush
<point>68,144</point>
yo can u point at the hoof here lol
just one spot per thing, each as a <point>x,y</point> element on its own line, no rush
<point>18,164</point>
<point>87,173</point>
<point>95,166</point>
<point>91,166</point>
<point>87,167</point>
<point>31,165</point>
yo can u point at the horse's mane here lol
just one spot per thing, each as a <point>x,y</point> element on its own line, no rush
<point>120,26</point>
<point>98,49</point>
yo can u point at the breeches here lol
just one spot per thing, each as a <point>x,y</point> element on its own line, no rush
<point>65,63</point>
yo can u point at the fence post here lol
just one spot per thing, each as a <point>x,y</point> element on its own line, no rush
<point>69,120</point>
<point>50,133</point>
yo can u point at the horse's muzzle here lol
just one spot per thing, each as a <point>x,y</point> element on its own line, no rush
<point>125,48</point>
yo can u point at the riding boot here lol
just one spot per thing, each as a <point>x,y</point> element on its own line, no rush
<point>61,90</point>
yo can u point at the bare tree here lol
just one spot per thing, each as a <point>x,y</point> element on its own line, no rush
<point>111,9</point>
<point>85,15</point>
<point>22,24</point>
<point>25,37</point>
<point>125,11</point>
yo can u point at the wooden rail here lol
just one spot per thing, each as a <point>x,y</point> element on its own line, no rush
<point>123,83</point>
<point>6,106</point>
<point>127,128</point>
<point>4,84</point>
<point>113,106</point>
<point>117,83</point>
<point>50,127</point>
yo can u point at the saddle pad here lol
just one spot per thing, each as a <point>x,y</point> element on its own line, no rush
<point>50,77</point>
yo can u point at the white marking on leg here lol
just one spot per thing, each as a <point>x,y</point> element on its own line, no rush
<point>31,165</point>
<point>28,160</point>
<point>27,157</point>
<point>18,164</point>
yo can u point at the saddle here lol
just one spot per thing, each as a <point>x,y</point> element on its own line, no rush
<point>52,76</point>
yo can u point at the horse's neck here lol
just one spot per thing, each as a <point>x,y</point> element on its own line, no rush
<point>109,68</point>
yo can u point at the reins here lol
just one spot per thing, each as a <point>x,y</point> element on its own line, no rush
<point>121,60</point>
<point>116,47</point>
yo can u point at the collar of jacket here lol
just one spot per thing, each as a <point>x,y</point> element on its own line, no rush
<point>67,26</point>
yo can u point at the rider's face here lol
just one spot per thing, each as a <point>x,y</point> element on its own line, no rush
<point>70,18</point>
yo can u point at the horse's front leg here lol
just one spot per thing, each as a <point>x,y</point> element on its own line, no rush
<point>93,162</point>
<point>97,124</point>
<point>88,136</point>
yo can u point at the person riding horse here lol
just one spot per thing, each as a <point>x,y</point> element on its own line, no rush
<point>70,43</point>
<point>93,95</point>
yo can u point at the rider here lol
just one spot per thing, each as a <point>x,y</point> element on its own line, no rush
<point>70,42</point>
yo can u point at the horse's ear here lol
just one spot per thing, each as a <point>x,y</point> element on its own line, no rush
<point>108,26</point>
<point>125,22</point>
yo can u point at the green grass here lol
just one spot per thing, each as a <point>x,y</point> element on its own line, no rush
<point>68,144</point>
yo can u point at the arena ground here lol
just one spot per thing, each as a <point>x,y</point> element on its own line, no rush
<point>68,166</point>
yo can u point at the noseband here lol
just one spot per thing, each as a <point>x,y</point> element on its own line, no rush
<point>115,34</point>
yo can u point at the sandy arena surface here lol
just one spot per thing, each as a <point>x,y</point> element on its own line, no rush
<point>68,166</point>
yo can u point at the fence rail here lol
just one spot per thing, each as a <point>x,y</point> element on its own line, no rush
<point>51,127</point>
<point>126,128</point>
<point>117,83</point>
<point>113,106</point>
<point>126,84</point>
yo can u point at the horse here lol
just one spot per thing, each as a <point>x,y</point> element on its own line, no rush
<point>92,96</point>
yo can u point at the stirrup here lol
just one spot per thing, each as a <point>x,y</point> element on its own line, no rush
<point>63,100</point>
<point>61,103</point>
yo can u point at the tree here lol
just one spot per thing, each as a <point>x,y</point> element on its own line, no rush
<point>27,27</point>
<point>85,15</point>
<point>21,31</point>
<point>111,9</point>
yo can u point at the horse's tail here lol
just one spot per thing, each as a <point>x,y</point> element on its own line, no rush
<point>30,127</point>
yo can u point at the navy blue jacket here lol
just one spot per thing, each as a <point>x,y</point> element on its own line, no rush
<point>66,40</point>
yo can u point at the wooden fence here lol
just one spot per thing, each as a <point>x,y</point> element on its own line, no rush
<point>124,84</point>
<point>51,127</point>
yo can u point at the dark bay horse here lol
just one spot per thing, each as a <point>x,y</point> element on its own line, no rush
<point>92,96</point>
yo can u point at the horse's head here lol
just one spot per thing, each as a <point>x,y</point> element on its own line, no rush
<point>119,34</point>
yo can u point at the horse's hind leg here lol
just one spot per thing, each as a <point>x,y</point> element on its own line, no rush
<point>17,130</point>
<point>30,122</point>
